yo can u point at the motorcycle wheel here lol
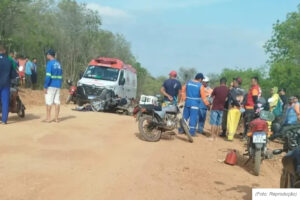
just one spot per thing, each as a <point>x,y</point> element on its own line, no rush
<point>69,99</point>
<point>79,103</point>
<point>21,112</point>
<point>148,132</point>
<point>186,130</point>
<point>257,162</point>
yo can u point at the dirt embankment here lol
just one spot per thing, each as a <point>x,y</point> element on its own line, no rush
<point>37,98</point>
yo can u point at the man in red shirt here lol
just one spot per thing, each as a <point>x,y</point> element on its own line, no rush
<point>253,94</point>
<point>220,96</point>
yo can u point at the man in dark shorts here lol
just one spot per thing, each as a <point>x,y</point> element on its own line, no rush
<point>171,88</point>
<point>220,96</point>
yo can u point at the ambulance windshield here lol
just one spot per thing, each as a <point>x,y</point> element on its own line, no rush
<point>102,73</point>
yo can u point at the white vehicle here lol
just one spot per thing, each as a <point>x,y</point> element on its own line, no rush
<point>107,73</point>
<point>148,100</point>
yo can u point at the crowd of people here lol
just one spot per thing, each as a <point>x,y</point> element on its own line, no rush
<point>26,70</point>
<point>228,105</point>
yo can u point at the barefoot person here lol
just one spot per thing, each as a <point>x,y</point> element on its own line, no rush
<point>52,85</point>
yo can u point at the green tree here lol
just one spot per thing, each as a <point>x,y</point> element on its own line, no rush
<point>284,53</point>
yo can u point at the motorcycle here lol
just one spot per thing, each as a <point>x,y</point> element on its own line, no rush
<point>72,92</point>
<point>154,120</point>
<point>290,176</point>
<point>15,105</point>
<point>258,139</point>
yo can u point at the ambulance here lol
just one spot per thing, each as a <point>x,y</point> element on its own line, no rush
<point>107,73</point>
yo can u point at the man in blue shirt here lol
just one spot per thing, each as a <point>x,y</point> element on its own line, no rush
<point>52,85</point>
<point>34,73</point>
<point>171,88</point>
<point>28,73</point>
<point>6,74</point>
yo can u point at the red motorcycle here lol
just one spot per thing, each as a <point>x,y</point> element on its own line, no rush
<point>72,92</point>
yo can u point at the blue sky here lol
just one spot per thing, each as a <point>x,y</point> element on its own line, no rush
<point>206,34</point>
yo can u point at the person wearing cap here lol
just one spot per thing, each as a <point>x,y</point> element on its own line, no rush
<point>53,83</point>
<point>292,112</point>
<point>219,95</point>
<point>235,99</point>
<point>171,88</point>
<point>192,102</point>
<point>7,73</point>
<point>205,92</point>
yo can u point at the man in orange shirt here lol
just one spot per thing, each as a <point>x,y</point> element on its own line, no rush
<point>253,94</point>
<point>204,104</point>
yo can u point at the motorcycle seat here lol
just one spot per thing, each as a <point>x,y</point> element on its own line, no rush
<point>291,161</point>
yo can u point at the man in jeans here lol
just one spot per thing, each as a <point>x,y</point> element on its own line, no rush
<point>220,95</point>
<point>253,94</point>
<point>28,73</point>
<point>7,73</point>
<point>52,85</point>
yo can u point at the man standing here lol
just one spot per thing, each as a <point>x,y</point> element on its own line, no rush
<point>204,104</point>
<point>292,112</point>
<point>7,73</point>
<point>171,88</point>
<point>12,58</point>
<point>192,102</point>
<point>28,73</point>
<point>282,94</point>
<point>220,95</point>
<point>52,85</point>
<point>253,94</point>
<point>34,73</point>
<point>235,99</point>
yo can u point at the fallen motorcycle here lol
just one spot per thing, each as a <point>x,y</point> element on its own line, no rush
<point>154,120</point>
<point>15,105</point>
<point>72,92</point>
<point>290,176</point>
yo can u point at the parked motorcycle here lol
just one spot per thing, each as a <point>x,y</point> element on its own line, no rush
<point>290,176</point>
<point>258,139</point>
<point>15,105</point>
<point>72,92</point>
<point>154,120</point>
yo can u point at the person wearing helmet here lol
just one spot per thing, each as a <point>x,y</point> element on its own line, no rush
<point>204,104</point>
<point>171,88</point>
<point>235,99</point>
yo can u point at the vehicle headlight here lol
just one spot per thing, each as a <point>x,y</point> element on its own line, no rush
<point>79,84</point>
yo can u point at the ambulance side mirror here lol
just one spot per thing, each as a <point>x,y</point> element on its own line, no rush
<point>122,81</point>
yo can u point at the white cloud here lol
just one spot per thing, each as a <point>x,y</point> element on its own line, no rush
<point>108,12</point>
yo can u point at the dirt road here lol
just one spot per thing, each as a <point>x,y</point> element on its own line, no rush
<point>91,156</point>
